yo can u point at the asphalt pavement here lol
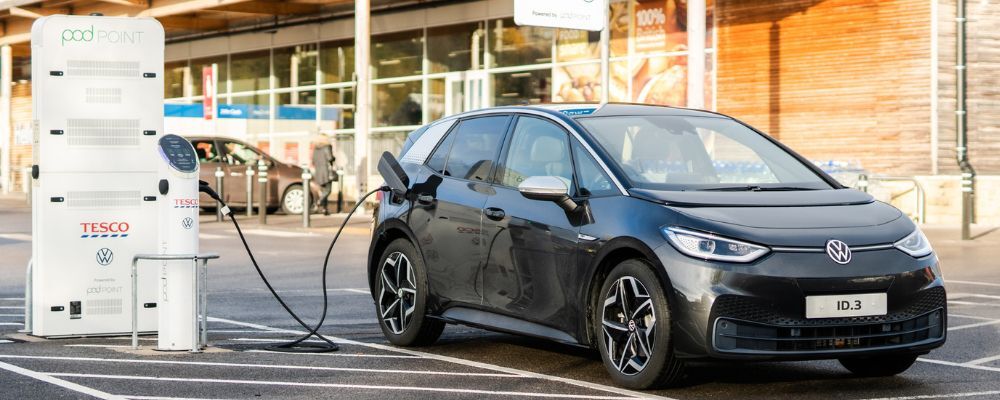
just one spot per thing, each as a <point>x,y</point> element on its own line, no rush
<point>464,363</point>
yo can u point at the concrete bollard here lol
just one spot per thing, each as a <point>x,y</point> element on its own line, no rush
<point>249,191</point>
<point>262,182</point>
<point>219,176</point>
<point>306,192</point>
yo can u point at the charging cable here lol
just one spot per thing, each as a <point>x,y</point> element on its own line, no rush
<point>298,345</point>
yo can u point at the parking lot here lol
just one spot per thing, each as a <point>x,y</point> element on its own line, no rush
<point>465,363</point>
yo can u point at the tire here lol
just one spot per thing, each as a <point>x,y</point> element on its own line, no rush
<point>888,365</point>
<point>401,297</point>
<point>651,363</point>
<point>291,200</point>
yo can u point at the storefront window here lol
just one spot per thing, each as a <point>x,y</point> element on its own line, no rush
<point>528,87</point>
<point>260,100</point>
<point>619,24</point>
<point>336,61</point>
<point>577,83</point>
<point>660,80</point>
<point>303,98</point>
<point>397,54</point>
<point>451,48</point>
<point>380,142</point>
<point>575,45</point>
<point>660,26</point>
<point>435,99</point>
<point>520,45</point>
<point>250,71</point>
<point>197,67</point>
<point>295,65</point>
<point>173,79</point>
<point>398,104</point>
<point>337,109</point>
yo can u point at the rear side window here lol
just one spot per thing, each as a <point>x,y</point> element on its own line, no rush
<point>471,148</point>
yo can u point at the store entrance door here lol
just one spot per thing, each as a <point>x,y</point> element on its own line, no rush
<point>465,91</point>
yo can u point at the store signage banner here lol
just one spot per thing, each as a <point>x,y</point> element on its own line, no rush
<point>588,15</point>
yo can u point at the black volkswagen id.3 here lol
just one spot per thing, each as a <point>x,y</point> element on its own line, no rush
<point>655,235</point>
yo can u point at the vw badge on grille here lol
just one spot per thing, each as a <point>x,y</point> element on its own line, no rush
<point>838,251</point>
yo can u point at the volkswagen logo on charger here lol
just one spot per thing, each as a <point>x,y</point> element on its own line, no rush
<point>838,251</point>
<point>105,256</point>
<point>187,223</point>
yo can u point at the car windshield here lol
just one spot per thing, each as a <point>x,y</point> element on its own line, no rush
<point>698,153</point>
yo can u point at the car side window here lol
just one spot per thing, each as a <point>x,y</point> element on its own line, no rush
<point>240,154</point>
<point>206,150</point>
<point>591,178</point>
<point>472,148</point>
<point>538,148</point>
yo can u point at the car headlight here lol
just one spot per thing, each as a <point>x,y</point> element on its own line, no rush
<point>915,244</point>
<point>711,247</point>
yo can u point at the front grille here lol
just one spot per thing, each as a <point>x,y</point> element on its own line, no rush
<point>756,310</point>
<point>750,325</point>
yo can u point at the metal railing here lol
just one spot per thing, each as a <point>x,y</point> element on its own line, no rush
<point>920,200</point>
<point>199,302</point>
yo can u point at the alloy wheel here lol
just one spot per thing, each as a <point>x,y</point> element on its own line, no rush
<point>293,200</point>
<point>397,292</point>
<point>629,323</point>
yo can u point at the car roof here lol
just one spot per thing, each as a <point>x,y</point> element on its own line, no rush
<point>578,110</point>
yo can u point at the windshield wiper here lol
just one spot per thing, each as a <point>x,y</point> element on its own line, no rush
<point>755,188</point>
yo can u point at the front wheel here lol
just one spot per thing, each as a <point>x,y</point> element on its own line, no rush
<point>401,297</point>
<point>292,200</point>
<point>879,366</point>
<point>632,322</point>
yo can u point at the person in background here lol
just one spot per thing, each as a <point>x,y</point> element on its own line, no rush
<point>325,173</point>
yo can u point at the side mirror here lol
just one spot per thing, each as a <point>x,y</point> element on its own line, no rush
<point>393,173</point>
<point>548,188</point>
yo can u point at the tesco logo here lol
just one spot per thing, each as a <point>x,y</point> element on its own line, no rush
<point>185,202</point>
<point>104,227</point>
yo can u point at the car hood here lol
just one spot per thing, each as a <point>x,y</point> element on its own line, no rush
<point>793,219</point>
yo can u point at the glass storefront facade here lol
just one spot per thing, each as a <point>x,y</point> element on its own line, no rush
<point>421,75</point>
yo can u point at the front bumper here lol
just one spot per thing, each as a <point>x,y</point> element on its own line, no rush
<point>757,311</point>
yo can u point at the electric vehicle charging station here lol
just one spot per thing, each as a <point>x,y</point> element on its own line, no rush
<point>98,115</point>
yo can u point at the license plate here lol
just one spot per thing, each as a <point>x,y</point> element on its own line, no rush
<point>845,305</point>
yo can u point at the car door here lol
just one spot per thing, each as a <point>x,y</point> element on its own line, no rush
<point>210,159</point>
<point>447,214</point>
<point>238,157</point>
<point>531,245</point>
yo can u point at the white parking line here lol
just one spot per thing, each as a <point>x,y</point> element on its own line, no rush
<point>957,296</point>
<point>358,291</point>
<point>58,382</point>
<point>983,360</point>
<point>975,325</point>
<point>941,396</point>
<point>960,365</point>
<point>108,346</point>
<point>263,366</point>
<point>2,341</point>
<point>947,281</point>
<point>337,385</point>
<point>338,354</point>
<point>971,317</point>
<point>574,382</point>
<point>964,303</point>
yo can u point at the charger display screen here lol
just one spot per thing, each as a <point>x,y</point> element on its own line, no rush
<point>179,153</point>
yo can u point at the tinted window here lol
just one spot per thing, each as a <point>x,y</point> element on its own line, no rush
<point>206,150</point>
<point>440,156</point>
<point>476,143</point>
<point>239,153</point>
<point>538,148</point>
<point>590,176</point>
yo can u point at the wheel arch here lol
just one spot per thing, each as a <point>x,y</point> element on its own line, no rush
<point>386,232</point>
<point>609,256</point>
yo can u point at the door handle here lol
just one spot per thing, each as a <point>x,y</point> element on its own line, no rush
<point>425,199</point>
<point>494,213</point>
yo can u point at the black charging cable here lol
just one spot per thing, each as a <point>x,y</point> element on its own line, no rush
<point>298,345</point>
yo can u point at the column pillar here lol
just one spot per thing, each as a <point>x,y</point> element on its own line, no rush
<point>696,14</point>
<point>6,76</point>
<point>362,93</point>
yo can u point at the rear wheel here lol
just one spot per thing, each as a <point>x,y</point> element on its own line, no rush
<point>632,323</point>
<point>291,201</point>
<point>880,365</point>
<point>401,297</point>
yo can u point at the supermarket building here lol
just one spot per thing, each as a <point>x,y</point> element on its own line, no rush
<point>861,86</point>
